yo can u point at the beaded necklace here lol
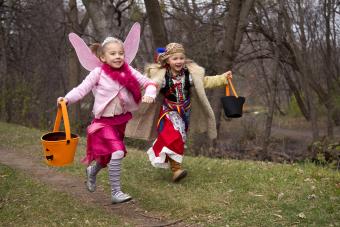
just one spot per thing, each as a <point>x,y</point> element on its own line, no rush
<point>178,81</point>
<point>177,87</point>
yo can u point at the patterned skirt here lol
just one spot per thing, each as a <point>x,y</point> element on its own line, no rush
<point>172,132</point>
<point>105,136</point>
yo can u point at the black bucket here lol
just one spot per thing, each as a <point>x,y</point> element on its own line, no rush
<point>233,106</point>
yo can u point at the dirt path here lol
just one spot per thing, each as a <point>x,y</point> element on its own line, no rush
<point>129,212</point>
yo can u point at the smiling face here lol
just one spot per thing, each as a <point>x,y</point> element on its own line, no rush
<point>113,54</point>
<point>176,62</point>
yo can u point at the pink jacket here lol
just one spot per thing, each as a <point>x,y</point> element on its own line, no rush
<point>105,89</point>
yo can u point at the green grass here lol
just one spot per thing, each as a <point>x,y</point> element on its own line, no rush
<point>25,202</point>
<point>216,192</point>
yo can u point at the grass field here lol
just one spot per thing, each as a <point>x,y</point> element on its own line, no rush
<point>215,193</point>
<point>25,202</point>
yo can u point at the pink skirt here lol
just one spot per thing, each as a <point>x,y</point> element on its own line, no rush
<point>105,136</point>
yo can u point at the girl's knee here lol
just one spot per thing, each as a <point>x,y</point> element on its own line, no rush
<point>117,154</point>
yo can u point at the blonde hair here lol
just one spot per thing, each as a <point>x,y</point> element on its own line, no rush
<point>111,40</point>
<point>98,48</point>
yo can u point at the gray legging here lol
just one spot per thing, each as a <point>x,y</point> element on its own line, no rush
<point>114,167</point>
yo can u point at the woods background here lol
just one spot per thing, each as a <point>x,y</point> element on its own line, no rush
<point>284,54</point>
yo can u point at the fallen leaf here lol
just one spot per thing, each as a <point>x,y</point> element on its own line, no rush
<point>302,215</point>
<point>308,180</point>
<point>277,215</point>
<point>312,196</point>
<point>256,195</point>
<point>280,195</point>
<point>300,171</point>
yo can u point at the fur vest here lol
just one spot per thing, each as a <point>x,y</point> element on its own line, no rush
<point>144,121</point>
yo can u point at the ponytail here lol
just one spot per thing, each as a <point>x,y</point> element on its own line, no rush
<point>97,49</point>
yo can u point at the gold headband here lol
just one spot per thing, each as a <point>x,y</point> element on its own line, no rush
<point>171,48</point>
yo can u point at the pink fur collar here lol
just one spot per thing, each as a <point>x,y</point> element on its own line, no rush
<point>125,78</point>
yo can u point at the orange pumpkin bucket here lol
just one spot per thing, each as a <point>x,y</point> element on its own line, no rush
<point>232,105</point>
<point>59,147</point>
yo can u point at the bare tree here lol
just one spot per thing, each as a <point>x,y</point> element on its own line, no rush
<point>332,68</point>
<point>296,53</point>
<point>235,25</point>
<point>106,15</point>
<point>273,87</point>
<point>156,22</point>
<point>3,70</point>
<point>74,72</point>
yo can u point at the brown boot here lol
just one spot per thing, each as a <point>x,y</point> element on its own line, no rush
<point>178,173</point>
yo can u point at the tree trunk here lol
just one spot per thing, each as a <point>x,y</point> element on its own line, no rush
<point>300,54</point>
<point>101,14</point>
<point>3,58</point>
<point>3,73</point>
<point>156,21</point>
<point>73,62</point>
<point>297,94</point>
<point>306,72</point>
<point>329,69</point>
<point>235,24</point>
<point>273,86</point>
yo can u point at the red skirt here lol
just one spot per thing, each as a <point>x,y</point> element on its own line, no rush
<point>171,137</point>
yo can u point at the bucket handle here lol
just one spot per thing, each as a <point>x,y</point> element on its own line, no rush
<point>62,112</point>
<point>227,88</point>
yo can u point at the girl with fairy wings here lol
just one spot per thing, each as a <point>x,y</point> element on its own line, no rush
<point>181,83</point>
<point>116,87</point>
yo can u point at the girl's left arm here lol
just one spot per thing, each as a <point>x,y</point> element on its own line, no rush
<point>146,83</point>
<point>217,81</point>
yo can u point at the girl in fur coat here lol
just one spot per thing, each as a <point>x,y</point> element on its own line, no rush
<point>180,83</point>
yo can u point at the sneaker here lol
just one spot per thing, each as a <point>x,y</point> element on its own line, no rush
<point>120,197</point>
<point>90,180</point>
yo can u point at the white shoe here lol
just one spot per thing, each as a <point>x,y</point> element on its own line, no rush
<point>120,197</point>
<point>90,180</point>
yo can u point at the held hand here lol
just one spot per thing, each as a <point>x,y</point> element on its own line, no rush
<point>61,99</point>
<point>148,99</point>
<point>228,75</point>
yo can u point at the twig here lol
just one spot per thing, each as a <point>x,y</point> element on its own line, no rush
<point>167,224</point>
<point>147,216</point>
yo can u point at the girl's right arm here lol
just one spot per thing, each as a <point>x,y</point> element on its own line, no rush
<point>148,84</point>
<point>84,88</point>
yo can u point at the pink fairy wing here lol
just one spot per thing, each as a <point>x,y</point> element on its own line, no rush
<point>86,58</point>
<point>131,43</point>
